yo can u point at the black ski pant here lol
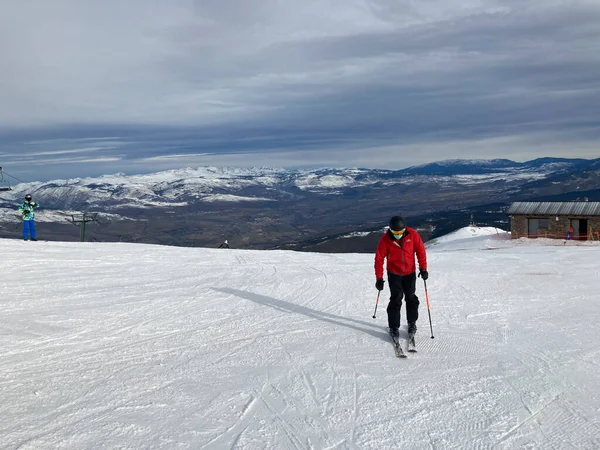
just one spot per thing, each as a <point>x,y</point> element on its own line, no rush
<point>402,286</point>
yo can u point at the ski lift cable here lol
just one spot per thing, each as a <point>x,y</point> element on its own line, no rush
<point>8,174</point>
<point>8,187</point>
<point>4,184</point>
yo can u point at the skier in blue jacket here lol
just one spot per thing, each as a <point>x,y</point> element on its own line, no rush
<point>27,208</point>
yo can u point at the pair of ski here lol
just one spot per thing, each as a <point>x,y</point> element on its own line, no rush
<point>411,347</point>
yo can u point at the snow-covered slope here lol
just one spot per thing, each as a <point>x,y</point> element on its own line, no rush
<point>149,347</point>
<point>470,232</point>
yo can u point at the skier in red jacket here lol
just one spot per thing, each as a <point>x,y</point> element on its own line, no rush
<point>399,245</point>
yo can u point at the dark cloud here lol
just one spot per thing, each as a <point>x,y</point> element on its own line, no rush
<point>245,82</point>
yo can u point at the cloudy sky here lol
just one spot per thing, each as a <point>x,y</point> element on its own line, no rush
<point>91,87</point>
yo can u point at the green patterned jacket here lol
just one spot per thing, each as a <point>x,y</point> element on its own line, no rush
<point>27,210</point>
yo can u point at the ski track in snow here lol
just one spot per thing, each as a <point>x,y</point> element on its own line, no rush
<point>127,346</point>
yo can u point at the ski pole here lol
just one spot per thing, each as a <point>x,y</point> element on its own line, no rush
<point>428,308</point>
<point>376,303</point>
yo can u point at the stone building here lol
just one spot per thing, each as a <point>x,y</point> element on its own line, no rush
<point>555,220</point>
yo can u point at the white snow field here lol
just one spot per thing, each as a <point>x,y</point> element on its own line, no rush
<point>469,232</point>
<point>129,346</point>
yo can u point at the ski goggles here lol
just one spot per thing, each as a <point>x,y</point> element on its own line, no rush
<point>398,233</point>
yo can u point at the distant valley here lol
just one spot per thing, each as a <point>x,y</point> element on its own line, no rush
<point>332,210</point>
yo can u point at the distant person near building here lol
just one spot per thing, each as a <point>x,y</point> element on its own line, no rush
<point>224,244</point>
<point>399,245</point>
<point>27,208</point>
<point>570,233</point>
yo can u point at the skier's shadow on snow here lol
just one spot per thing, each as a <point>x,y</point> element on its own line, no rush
<point>282,305</point>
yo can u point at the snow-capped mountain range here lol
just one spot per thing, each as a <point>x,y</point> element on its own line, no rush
<point>278,208</point>
<point>179,188</point>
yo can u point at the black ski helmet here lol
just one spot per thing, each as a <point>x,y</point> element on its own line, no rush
<point>28,197</point>
<point>397,223</point>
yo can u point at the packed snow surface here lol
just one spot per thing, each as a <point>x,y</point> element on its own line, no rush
<point>468,233</point>
<point>129,346</point>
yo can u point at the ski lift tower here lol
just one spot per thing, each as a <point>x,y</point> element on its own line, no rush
<point>81,220</point>
<point>4,184</point>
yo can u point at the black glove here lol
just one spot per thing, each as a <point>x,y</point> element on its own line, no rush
<point>423,274</point>
<point>379,284</point>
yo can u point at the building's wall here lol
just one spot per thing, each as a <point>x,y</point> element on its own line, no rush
<point>518,226</point>
<point>556,228</point>
<point>594,224</point>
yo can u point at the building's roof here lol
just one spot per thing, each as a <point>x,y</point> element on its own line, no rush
<point>555,208</point>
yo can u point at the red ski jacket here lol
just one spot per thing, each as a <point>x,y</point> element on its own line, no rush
<point>400,253</point>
